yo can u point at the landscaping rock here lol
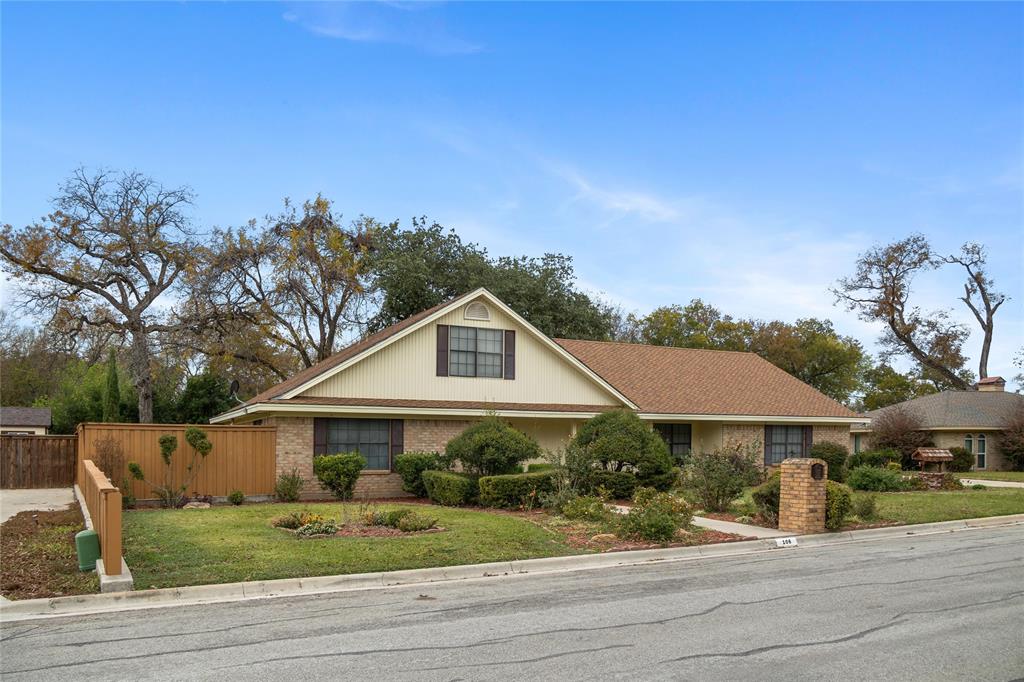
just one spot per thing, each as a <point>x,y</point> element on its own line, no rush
<point>603,537</point>
<point>197,505</point>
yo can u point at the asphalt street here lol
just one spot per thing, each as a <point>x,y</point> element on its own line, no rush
<point>937,607</point>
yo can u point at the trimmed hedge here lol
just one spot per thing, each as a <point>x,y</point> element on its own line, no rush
<point>872,458</point>
<point>620,484</point>
<point>411,465</point>
<point>877,480</point>
<point>514,490</point>
<point>835,456</point>
<point>449,488</point>
<point>539,466</point>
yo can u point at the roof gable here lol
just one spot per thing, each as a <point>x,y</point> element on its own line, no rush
<point>668,380</point>
<point>25,416</point>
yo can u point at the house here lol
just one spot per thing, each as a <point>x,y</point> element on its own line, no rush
<point>417,384</point>
<point>967,419</point>
<point>25,421</point>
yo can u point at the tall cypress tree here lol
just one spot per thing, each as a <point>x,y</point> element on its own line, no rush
<point>112,395</point>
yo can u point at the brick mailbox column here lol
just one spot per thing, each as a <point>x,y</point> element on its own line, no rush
<point>802,496</point>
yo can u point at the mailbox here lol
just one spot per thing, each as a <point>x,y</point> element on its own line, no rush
<point>817,471</point>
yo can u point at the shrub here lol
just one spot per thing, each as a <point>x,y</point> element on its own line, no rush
<point>838,502</point>
<point>1011,440</point>
<point>877,480</point>
<point>667,481</point>
<point>835,456</point>
<point>326,527</point>
<point>655,516</point>
<point>236,497</point>
<point>950,482</point>
<point>586,508</point>
<point>716,478</point>
<point>865,506</point>
<point>289,486</point>
<point>491,448</point>
<point>962,459</point>
<point>514,490</point>
<point>339,473</point>
<point>170,491</point>
<point>871,458</point>
<point>290,521</point>
<point>450,488</point>
<point>411,465</point>
<point>619,441</point>
<point>127,496</point>
<point>413,522</point>
<point>899,429</point>
<point>535,467</point>
<point>392,517</point>
<point>619,485</point>
<point>977,486</point>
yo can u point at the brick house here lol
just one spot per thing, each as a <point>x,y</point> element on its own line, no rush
<point>418,383</point>
<point>973,420</point>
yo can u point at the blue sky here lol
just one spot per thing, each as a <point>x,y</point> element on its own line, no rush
<point>744,154</point>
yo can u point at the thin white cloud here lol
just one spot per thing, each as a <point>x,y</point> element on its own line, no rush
<point>417,25</point>
<point>618,201</point>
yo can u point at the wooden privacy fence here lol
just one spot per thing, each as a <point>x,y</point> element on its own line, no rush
<point>37,461</point>
<point>103,500</point>
<point>243,457</point>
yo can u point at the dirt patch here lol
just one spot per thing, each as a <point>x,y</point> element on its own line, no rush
<point>360,531</point>
<point>595,537</point>
<point>38,558</point>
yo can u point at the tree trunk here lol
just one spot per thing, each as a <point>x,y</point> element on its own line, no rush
<point>985,346</point>
<point>142,372</point>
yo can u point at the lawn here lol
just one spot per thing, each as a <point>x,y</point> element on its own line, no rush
<point>230,544</point>
<point>1017,476</point>
<point>926,507</point>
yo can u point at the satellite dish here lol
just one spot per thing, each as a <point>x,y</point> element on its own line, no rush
<point>234,390</point>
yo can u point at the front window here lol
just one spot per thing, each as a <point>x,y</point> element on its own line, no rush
<point>369,437</point>
<point>475,352</point>
<point>785,442</point>
<point>856,442</point>
<point>678,438</point>
<point>981,451</point>
<point>968,443</point>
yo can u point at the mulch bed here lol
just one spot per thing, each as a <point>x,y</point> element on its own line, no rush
<point>38,558</point>
<point>361,531</point>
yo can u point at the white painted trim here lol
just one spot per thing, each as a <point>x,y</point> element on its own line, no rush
<point>566,355</point>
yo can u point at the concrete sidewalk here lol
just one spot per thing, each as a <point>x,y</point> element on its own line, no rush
<point>13,501</point>
<point>991,484</point>
<point>739,528</point>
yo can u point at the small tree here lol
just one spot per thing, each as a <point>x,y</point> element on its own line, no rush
<point>717,478</point>
<point>619,441</point>
<point>172,493</point>
<point>491,448</point>
<point>339,473</point>
<point>1011,440</point>
<point>112,393</point>
<point>901,430</point>
<point>835,456</point>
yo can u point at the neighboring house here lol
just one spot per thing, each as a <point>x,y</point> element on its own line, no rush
<point>417,384</point>
<point>25,421</point>
<point>967,419</point>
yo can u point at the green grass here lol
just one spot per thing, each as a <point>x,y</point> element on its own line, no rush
<point>926,507</point>
<point>1017,476</point>
<point>230,544</point>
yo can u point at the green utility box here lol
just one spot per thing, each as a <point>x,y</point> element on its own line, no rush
<point>87,543</point>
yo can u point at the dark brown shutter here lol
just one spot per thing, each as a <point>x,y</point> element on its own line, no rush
<point>510,354</point>
<point>442,350</point>
<point>767,444</point>
<point>320,436</point>
<point>397,440</point>
<point>808,440</point>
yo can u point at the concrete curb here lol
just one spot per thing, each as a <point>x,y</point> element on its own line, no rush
<point>88,604</point>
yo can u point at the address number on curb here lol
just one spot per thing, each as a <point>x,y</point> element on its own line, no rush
<point>785,542</point>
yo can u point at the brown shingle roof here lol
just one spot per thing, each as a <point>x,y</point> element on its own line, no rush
<point>443,404</point>
<point>344,354</point>
<point>991,409</point>
<point>663,380</point>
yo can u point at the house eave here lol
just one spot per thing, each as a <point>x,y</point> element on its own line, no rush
<point>749,418</point>
<point>271,409</point>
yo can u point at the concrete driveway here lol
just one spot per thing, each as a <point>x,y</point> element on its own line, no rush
<point>992,484</point>
<point>37,499</point>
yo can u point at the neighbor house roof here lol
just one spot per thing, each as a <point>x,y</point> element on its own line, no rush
<point>664,380</point>
<point>25,416</point>
<point>952,409</point>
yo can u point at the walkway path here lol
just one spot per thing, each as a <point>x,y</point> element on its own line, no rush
<point>991,484</point>
<point>739,528</point>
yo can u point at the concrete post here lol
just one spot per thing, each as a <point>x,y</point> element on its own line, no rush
<point>802,496</point>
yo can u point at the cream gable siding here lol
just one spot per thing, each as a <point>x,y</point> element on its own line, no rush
<point>407,369</point>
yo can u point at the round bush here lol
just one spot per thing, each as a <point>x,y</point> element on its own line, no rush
<point>339,473</point>
<point>962,459</point>
<point>655,516</point>
<point>236,497</point>
<point>449,488</point>
<point>835,456</point>
<point>411,465</point>
<point>877,480</point>
<point>491,448</point>
<point>619,441</point>
<point>766,497</point>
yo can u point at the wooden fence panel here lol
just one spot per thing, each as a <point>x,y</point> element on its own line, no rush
<point>243,457</point>
<point>37,461</point>
<point>103,500</point>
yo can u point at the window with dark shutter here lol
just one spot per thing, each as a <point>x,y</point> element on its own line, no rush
<point>510,354</point>
<point>397,440</point>
<point>442,350</point>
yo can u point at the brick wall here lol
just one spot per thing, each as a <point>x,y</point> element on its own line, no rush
<point>801,498</point>
<point>838,434</point>
<point>431,435</point>
<point>743,434</point>
<point>295,449</point>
